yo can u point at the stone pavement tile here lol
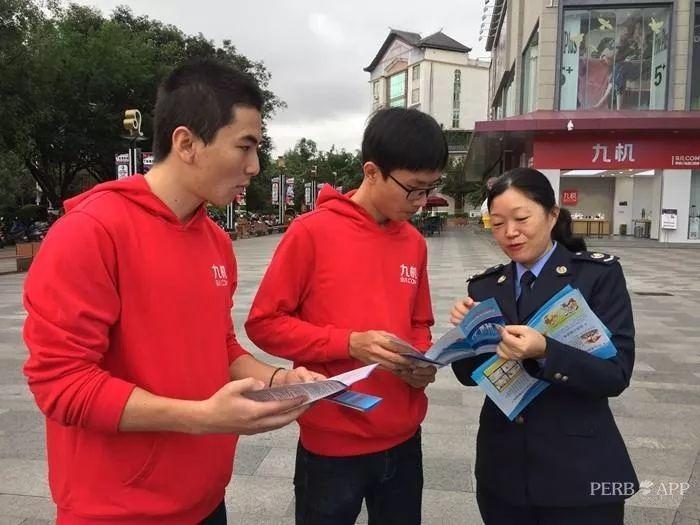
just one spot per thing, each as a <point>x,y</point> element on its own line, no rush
<point>22,445</point>
<point>282,438</point>
<point>21,421</point>
<point>279,463</point>
<point>259,495</point>
<point>684,520</point>
<point>443,507</point>
<point>24,476</point>
<point>473,397</point>
<point>27,506</point>
<point>447,474</point>
<point>661,492</point>
<point>681,376</point>
<point>660,443</point>
<point>36,522</point>
<point>447,445</point>
<point>690,506</point>
<point>11,520</point>
<point>664,462</point>
<point>648,516</point>
<point>661,410</point>
<point>248,458</point>
<point>235,518</point>
<point>631,426</point>
<point>444,397</point>
<point>11,367</point>
<point>682,398</point>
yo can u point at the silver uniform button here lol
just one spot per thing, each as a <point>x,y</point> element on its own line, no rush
<point>564,379</point>
<point>557,376</point>
<point>520,420</point>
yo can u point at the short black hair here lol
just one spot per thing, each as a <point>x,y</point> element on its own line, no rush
<point>404,139</point>
<point>200,95</point>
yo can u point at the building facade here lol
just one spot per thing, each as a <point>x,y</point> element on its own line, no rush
<point>435,75</point>
<point>600,95</point>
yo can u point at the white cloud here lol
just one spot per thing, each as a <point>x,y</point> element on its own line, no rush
<point>315,50</point>
<point>343,131</point>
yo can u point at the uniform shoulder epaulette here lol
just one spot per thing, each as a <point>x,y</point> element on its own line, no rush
<point>486,272</point>
<point>602,258</point>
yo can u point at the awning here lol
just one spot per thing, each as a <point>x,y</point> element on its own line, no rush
<point>545,121</point>
<point>435,201</point>
<point>499,145</point>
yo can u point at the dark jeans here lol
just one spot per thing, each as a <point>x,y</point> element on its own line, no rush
<point>218,517</point>
<point>330,490</point>
<point>495,511</point>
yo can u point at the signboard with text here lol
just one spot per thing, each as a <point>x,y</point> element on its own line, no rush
<point>669,219</point>
<point>569,197</point>
<point>617,152</point>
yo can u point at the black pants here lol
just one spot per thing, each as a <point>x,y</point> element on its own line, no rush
<point>330,490</point>
<point>218,517</point>
<point>495,511</point>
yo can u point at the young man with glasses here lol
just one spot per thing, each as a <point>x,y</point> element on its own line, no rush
<point>344,279</point>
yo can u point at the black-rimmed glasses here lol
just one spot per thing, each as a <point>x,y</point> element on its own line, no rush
<point>415,194</point>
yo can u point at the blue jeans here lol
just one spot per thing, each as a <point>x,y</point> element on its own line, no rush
<point>330,490</point>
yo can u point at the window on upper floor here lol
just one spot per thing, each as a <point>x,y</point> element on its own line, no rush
<point>695,67</point>
<point>415,84</point>
<point>529,89</point>
<point>456,93</point>
<point>615,58</point>
<point>397,90</point>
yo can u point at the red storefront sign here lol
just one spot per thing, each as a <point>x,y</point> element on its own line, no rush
<point>569,197</point>
<point>605,151</point>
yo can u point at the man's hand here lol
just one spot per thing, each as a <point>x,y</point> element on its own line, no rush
<point>460,309</point>
<point>228,412</point>
<point>376,347</point>
<point>418,377</point>
<point>521,342</point>
<point>297,375</point>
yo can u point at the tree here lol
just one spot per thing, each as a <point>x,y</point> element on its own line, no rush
<point>339,168</point>
<point>72,72</point>
<point>456,185</point>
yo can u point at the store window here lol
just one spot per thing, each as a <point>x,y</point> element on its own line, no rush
<point>530,74</point>
<point>615,59</point>
<point>694,215</point>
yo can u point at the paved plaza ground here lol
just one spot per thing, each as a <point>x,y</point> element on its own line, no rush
<point>659,415</point>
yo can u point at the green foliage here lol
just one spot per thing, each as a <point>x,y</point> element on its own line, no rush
<point>336,167</point>
<point>69,72</point>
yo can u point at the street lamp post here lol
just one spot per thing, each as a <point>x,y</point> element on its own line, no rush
<point>132,125</point>
<point>282,189</point>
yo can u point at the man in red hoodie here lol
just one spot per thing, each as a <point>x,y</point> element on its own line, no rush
<point>133,356</point>
<point>344,278</point>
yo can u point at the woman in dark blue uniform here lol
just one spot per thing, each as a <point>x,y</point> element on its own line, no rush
<point>562,461</point>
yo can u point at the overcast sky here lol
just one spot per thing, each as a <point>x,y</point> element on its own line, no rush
<point>315,50</point>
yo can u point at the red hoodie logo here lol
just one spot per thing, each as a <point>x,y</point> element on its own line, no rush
<point>220,277</point>
<point>409,274</point>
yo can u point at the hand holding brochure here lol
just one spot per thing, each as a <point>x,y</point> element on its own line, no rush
<point>566,318</point>
<point>476,334</point>
<point>333,389</point>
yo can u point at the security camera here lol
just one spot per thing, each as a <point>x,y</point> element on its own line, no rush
<point>570,126</point>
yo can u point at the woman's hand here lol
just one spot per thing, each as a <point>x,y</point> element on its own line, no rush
<point>521,342</point>
<point>460,309</point>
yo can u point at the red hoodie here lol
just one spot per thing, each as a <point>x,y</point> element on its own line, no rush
<point>338,271</point>
<point>123,294</point>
